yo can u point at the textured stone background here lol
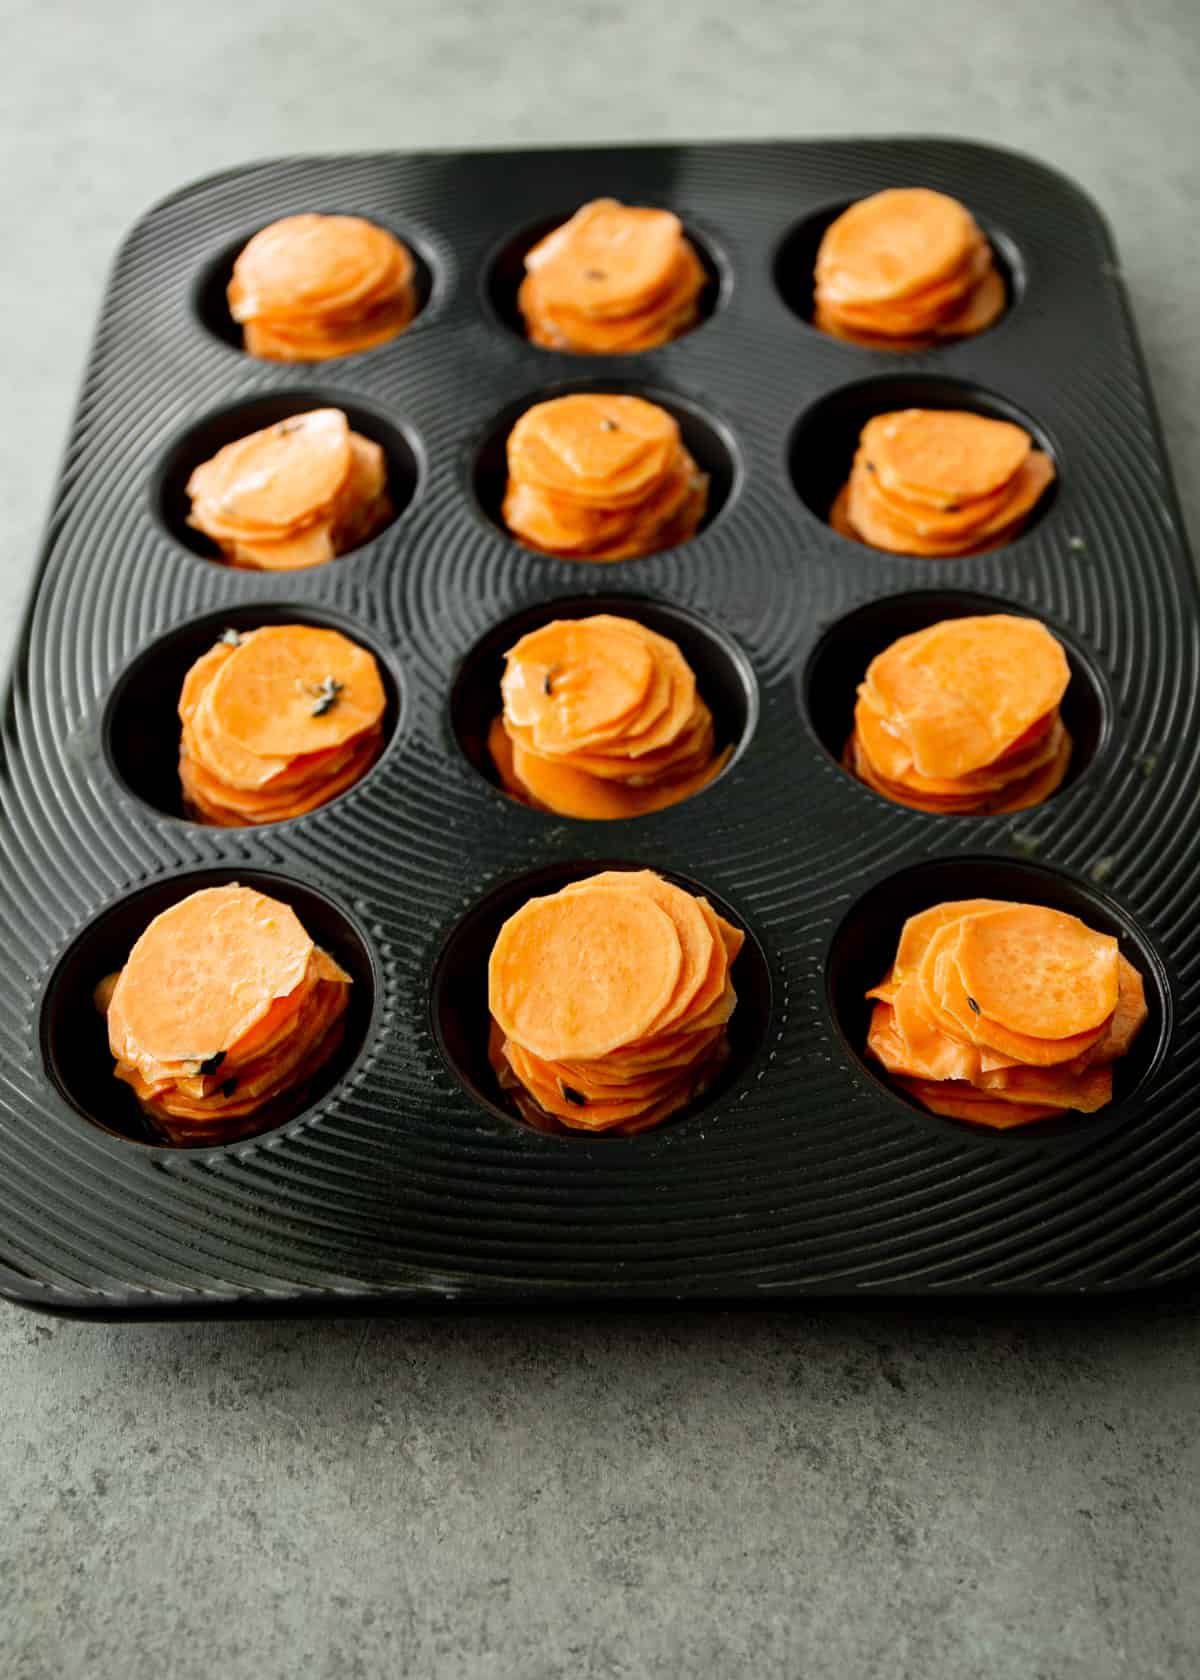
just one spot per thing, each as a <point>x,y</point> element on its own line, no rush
<point>851,1492</point>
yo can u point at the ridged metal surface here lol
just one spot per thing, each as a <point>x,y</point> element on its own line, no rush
<point>804,1177</point>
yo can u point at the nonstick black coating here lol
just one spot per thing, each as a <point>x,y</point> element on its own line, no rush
<point>802,1173</point>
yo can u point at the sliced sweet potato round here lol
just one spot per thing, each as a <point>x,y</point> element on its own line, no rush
<point>272,480</point>
<point>204,972</point>
<point>593,447</point>
<point>294,688</point>
<point>963,691</point>
<point>609,259</point>
<point>314,264</point>
<point>1039,971</point>
<point>944,455</point>
<point>578,974</point>
<point>893,244</point>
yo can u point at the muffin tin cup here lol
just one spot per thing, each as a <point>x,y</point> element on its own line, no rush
<point>404,1178</point>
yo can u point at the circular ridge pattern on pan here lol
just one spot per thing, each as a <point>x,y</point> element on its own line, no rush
<point>807,1179</point>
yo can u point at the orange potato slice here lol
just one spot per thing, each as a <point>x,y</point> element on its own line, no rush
<point>892,245</point>
<point>578,974</point>
<point>1039,971</point>
<point>203,973</point>
<point>273,479</point>
<point>876,522</point>
<point>593,447</point>
<point>981,1109</point>
<point>312,264</point>
<point>269,698</point>
<point>573,682</point>
<point>963,691</point>
<point>569,792</point>
<point>946,997</point>
<point>609,259</point>
<point>944,454</point>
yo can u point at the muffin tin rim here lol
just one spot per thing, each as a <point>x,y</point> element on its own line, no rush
<point>1144,393</point>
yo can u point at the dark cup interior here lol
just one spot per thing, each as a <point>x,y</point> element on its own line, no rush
<point>723,673</point>
<point>459,993</point>
<point>169,497</point>
<point>506,270</point>
<point>706,440</point>
<point>73,1034</point>
<point>839,662</point>
<point>140,732</point>
<point>211,300</point>
<point>865,942</point>
<point>823,441</point>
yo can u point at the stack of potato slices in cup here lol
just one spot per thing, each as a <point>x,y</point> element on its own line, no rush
<point>596,477</point>
<point>224,1006</point>
<point>940,482</point>
<point>276,722</point>
<point>293,495</point>
<point>602,719</point>
<point>610,1001</point>
<point>1002,1014</point>
<point>311,287</point>
<point>612,279</point>
<point>963,717</point>
<point>904,268</point>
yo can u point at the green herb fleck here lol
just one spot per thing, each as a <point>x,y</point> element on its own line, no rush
<point>548,680</point>
<point>327,696</point>
<point>608,425</point>
<point>212,1063</point>
<point>594,274</point>
<point>1026,842</point>
<point>1077,543</point>
<point>974,1006</point>
<point>230,638</point>
<point>870,466</point>
<point>1102,868</point>
<point>1148,764</point>
<point>572,1095</point>
<point>229,1087</point>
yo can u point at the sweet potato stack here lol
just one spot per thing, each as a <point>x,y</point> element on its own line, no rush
<point>940,482</point>
<point>904,268</point>
<point>1002,1013</point>
<point>294,495</point>
<point>277,721</point>
<point>964,717</point>
<point>594,477</point>
<point>602,719</point>
<point>611,279</point>
<point>609,1002</point>
<point>310,287</point>
<point>224,1005</point>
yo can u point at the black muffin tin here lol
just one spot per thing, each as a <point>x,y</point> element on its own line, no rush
<point>405,1179</point>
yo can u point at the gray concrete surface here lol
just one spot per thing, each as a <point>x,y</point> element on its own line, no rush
<point>959,1493</point>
